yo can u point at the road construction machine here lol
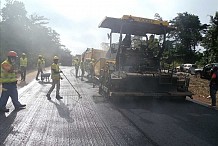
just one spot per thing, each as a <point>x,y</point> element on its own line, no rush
<point>134,64</point>
<point>90,57</point>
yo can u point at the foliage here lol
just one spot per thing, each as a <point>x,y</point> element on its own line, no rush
<point>28,34</point>
<point>187,35</point>
<point>210,41</point>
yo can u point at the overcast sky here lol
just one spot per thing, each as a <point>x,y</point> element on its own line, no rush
<point>77,20</point>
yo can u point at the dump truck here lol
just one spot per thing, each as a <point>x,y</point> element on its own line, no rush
<point>137,57</point>
<point>90,57</point>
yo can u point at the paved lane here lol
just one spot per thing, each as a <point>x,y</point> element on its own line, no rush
<point>91,120</point>
<point>171,123</point>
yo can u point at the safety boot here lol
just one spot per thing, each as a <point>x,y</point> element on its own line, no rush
<point>58,97</point>
<point>22,106</point>
<point>4,109</point>
<point>48,96</point>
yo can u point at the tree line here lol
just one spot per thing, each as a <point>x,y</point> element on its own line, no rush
<point>29,34</point>
<point>189,35</point>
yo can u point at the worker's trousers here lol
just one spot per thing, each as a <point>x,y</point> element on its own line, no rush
<point>23,73</point>
<point>76,69</point>
<point>39,71</point>
<point>57,83</point>
<point>213,90</point>
<point>9,89</point>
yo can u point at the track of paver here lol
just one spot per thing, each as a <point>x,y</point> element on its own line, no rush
<point>90,120</point>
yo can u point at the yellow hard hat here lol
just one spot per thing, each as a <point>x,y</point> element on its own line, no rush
<point>23,54</point>
<point>55,58</point>
<point>40,56</point>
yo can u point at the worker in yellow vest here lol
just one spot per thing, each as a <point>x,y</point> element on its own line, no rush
<point>39,66</point>
<point>76,65</point>
<point>55,76</point>
<point>82,67</point>
<point>9,83</point>
<point>23,66</point>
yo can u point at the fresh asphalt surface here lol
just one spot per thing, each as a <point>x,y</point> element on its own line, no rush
<point>95,120</point>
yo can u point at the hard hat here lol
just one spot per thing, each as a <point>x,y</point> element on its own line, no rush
<point>40,56</point>
<point>23,54</point>
<point>12,54</point>
<point>55,58</point>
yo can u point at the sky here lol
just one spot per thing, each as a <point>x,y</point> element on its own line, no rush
<point>77,21</point>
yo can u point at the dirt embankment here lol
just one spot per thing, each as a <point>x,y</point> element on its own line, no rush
<point>201,90</point>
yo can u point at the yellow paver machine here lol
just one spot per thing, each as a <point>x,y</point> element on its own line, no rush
<point>136,54</point>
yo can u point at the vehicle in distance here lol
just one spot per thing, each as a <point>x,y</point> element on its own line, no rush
<point>206,71</point>
<point>189,68</point>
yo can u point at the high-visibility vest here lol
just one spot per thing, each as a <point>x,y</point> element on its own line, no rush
<point>7,77</point>
<point>23,62</point>
<point>55,72</point>
<point>82,65</point>
<point>39,63</point>
<point>76,63</point>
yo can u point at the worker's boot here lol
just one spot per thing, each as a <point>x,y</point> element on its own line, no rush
<point>58,97</point>
<point>48,96</point>
<point>22,106</point>
<point>4,109</point>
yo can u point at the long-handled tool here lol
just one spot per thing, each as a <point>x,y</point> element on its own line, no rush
<point>72,85</point>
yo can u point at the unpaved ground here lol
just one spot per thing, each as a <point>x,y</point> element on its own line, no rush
<point>200,88</point>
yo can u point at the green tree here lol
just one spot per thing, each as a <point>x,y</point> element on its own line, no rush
<point>28,34</point>
<point>187,35</point>
<point>210,41</point>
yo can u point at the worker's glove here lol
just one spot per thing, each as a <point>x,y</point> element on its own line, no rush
<point>60,71</point>
<point>61,78</point>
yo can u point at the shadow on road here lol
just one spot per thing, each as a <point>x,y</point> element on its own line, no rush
<point>6,125</point>
<point>22,83</point>
<point>63,111</point>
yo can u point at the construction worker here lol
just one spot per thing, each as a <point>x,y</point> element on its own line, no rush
<point>76,65</point>
<point>214,85</point>
<point>153,45</point>
<point>23,66</point>
<point>43,64</point>
<point>55,76</point>
<point>9,83</point>
<point>82,67</point>
<point>39,66</point>
<point>91,68</point>
<point>127,41</point>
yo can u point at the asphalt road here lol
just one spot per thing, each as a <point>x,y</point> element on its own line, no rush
<point>95,120</point>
